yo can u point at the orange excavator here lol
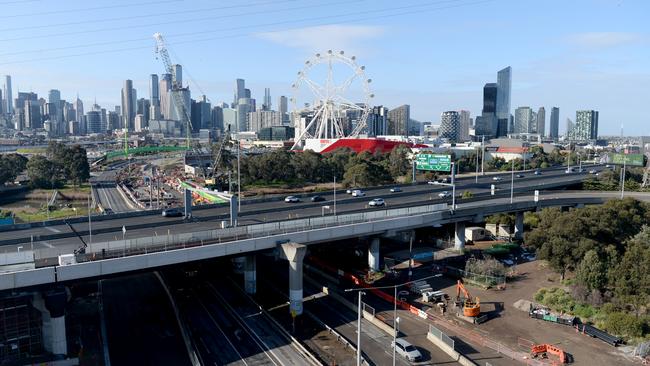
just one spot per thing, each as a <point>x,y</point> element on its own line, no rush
<point>471,307</point>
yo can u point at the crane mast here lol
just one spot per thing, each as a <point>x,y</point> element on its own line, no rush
<point>161,50</point>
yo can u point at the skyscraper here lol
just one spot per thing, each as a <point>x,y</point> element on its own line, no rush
<point>54,97</point>
<point>154,93</point>
<point>165,87</point>
<point>504,83</point>
<point>267,100</point>
<point>487,122</point>
<point>128,107</point>
<point>586,126</point>
<point>93,122</point>
<point>239,91</point>
<point>450,126</point>
<point>555,123</point>
<point>177,75</point>
<point>9,109</point>
<point>398,120</point>
<point>465,123</point>
<point>283,108</point>
<point>524,121</point>
<point>33,114</point>
<point>79,109</point>
<point>541,121</point>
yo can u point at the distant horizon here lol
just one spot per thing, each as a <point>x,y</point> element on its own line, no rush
<point>588,55</point>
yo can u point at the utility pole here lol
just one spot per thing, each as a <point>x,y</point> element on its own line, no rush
<point>453,186</point>
<point>90,226</point>
<point>238,178</point>
<point>482,154</point>
<point>512,181</point>
<point>477,166</point>
<point>334,194</point>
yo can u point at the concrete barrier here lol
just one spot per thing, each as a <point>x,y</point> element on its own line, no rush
<point>455,355</point>
<point>33,277</point>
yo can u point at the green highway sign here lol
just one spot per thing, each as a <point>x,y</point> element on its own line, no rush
<point>433,162</point>
<point>629,159</point>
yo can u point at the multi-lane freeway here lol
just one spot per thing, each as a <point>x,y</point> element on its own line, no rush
<point>107,194</point>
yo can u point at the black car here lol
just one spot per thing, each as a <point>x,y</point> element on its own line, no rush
<point>318,199</point>
<point>172,212</point>
<point>108,211</point>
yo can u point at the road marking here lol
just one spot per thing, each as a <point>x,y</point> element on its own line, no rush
<point>47,244</point>
<point>52,229</point>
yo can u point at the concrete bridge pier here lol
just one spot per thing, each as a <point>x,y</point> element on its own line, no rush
<point>519,225</point>
<point>250,274</point>
<point>52,307</point>
<point>374,255</point>
<point>459,238</point>
<point>295,253</point>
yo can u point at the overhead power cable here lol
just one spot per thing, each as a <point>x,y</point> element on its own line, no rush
<point>393,14</point>
<point>77,10</point>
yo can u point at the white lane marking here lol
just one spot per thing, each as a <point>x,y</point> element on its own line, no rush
<point>52,229</point>
<point>47,244</point>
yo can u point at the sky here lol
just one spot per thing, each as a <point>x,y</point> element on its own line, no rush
<point>435,55</point>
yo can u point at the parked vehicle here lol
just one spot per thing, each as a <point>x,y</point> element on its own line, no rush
<point>377,202</point>
<point>406,349</point>
<point>292,199</point>
<point>172,212</point>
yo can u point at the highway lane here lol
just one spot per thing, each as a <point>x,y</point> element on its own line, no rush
<point>107,193</point>
<point>279,210</point>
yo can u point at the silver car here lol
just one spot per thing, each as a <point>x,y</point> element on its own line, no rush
<point>407,350</point>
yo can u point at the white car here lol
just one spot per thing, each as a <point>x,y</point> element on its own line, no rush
<point>407,350</point>
<point>291,199</point>
<point>444,194</point>
<point>377,202</point>
<point>593,171</point>
<point>497,178</point>
<point>358,193</point>
<point>432,182</point>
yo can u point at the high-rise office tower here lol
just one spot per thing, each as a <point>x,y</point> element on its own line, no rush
<point>178,75</point>
<point>378,121</point>
<point>217,117</point>
<point>239,91</point>
<point>9,109</point>
<point>450,126</point>
<point>142,107</point>
<point>504,83</point>
<point>165,87</point>
<point>154,94</point>
<point>398,120</point>
<point>56,112</point>
<point>267,100</point>
<point>555,123</point>
<point>465,123</point>
<point>524,121</point>
<point>487,123</point>
<point>2,104</point>
<point>586,126</point>
<point>79,109</point>
<point>33,114</point>
<point>201,115</point>
<point>247,93</point>
<point>283,108</point>
<point>128,106</point>
<point>244,106</point>
<point>93,122</point>
<point>541,121</point>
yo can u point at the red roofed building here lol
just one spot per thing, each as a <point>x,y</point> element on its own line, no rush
<point>358,145</point>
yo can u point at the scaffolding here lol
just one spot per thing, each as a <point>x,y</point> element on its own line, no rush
<point>20,329</point>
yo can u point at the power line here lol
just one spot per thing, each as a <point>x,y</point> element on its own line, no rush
<point>168,36</point>
<point>31,14</point>
<point>18,2</point>
<point>107,20</point>
<point>166,23</point>
<point>255,33</point>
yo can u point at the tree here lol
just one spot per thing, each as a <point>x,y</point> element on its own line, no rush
<point>77,167</point>
<point>632,283</point>
<point>44,173</point>
<point>398,161</point>
<point>592,272</point>
<point>557,252</point>
<point>10,166</point>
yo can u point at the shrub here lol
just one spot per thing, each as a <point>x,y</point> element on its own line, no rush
<point>625,325</point>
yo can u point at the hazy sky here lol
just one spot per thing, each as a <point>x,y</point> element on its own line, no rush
<point>435,55</point>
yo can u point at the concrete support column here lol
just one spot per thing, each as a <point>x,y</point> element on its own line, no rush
<point>295,253</point>
<point>519,226</point>
<point>459,238</point>
<point>373,255</point>
<point>250,274</point>
<point>52,307</point>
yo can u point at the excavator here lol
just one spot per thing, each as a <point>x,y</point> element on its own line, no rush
<point>471,306</point>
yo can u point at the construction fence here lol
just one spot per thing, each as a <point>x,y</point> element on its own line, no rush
<point>442,336</point>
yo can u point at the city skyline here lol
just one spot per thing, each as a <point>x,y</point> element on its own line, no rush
<point>582,66</point>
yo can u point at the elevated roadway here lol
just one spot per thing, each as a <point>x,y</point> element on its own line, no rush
<point>259,211</point>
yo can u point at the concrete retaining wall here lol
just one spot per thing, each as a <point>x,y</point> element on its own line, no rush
<point>450,351</point>
<point>28,278</point>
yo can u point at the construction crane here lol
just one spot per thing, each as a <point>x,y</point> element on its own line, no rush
<point>211,178</point>
<point>471,307</point>
<point>161,50</point>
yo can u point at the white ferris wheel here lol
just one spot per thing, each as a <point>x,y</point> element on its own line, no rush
<point>331,98</point>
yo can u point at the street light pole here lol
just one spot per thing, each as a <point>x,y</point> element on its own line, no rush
<point>335,195</point>
<point>90,226</point>
<point>238,178</point>
<point>394,324</point>
<point>453,186</point>
<point>482,154</point>
<point>361,293</point>
<point>476,166</point>
<point>512,181</point>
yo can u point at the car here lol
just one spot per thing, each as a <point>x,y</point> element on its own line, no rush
<point>444,194</point>
<point>593,171</point>
<point>538,172</point>
<point>406,349</point>
<point>519,175</point>
<point>358,193</point>
<point>108,211</point>
<point>318,199</point>
<point>432,182</point>
<point>377,202</point>
<point>350,190</point>
<point>395,189</point>
<point>497,178</point>
<point>607,166</point>
<point>291,199</point>
<point>172,212</point>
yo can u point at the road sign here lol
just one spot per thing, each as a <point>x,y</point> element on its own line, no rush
<point>436,162</point>
<point>629,159</point>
